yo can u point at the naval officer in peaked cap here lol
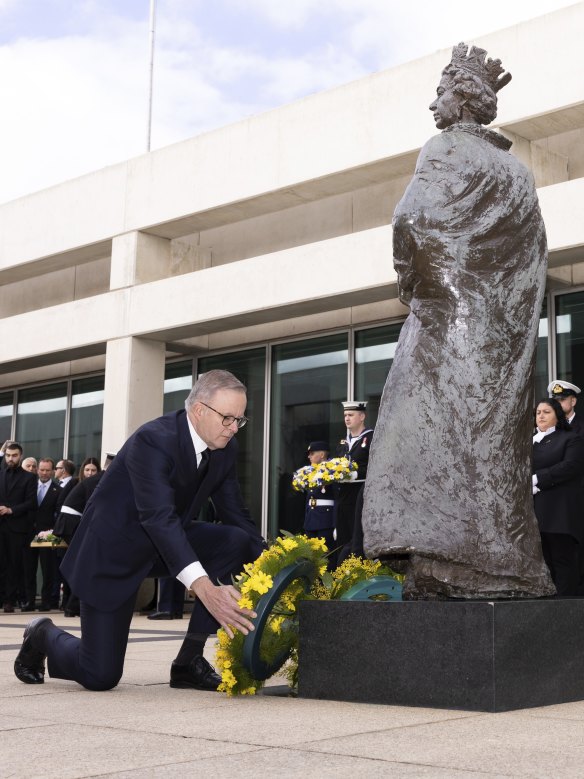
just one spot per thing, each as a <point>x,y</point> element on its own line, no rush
<point>567,395</point>
<point>355,445</point>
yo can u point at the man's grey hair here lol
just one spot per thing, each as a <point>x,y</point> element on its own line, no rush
<point>211,382</point>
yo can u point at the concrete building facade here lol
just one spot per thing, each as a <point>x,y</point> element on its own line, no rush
<point>265,247</point>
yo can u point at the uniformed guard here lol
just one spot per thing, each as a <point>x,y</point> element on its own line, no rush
<point>567,394</point>
<point>319,514</point>
<point>355,446</point>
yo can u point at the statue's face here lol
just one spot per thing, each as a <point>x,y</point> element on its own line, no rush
<point>446,106</point>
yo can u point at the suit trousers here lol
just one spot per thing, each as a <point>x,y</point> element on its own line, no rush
<point>12,548</point>
<point>96,660</point>
<point>171,596</point>
<point>560,552</point>
<point>48,561</point>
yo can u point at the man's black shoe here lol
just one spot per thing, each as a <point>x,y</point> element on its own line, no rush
<point>29,665</point>
<point>27,607</point>
<point>44,607</point>
<point>197,675</point>
<point>161,615</point>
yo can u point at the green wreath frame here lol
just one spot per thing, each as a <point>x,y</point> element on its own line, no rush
<point>258,668</point>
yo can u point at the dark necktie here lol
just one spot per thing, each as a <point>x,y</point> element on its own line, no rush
<point>203,465</point>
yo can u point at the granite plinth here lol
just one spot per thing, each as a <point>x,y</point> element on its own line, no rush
<point>473,655</point>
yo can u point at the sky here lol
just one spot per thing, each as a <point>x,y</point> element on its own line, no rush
<point>74,74</point>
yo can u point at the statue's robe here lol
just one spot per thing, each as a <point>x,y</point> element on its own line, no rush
<point>448,492</point>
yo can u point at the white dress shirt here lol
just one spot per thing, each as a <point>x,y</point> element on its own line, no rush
<point>195,570</point>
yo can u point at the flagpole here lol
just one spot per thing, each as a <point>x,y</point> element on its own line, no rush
<point>151,70</point>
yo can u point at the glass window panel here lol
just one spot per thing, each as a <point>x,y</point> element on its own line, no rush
<point>570,338</point>
<point>250,367</point>
<point>178,382</point>
<point>6,411</point>
<point>40,420</point>
<point>541,355</point>
<point>374,353</point>
<point>86,420</point>
<point>309,382</point>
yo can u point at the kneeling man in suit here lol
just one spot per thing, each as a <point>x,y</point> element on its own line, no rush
<point>140,522</point>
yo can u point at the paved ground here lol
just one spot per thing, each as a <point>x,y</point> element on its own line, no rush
<point>144,728</point>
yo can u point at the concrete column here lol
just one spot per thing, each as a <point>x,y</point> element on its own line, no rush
<point>134,388</point>
<point>138,258</point>
<point>548,167</point>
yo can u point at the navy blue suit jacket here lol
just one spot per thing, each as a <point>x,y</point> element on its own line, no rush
<point>18,492</point>
<point>136,517</point>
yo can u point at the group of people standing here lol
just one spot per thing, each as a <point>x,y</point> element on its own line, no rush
<point>35,496</point>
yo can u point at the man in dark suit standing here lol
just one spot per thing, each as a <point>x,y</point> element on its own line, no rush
<point>65,476</point>
<point>48,495</point>
<point>138,523</point>
<point>17,501</point>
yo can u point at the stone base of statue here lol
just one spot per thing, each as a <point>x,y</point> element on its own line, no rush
<point>473,655</point>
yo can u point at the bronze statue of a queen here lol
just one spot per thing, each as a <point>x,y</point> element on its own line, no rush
<point>448,492</point>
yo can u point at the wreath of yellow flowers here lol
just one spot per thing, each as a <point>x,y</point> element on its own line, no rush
<point>280,635</point>
<point>327,472</point>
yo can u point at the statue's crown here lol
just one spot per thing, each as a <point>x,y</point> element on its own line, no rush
<point>488,70</point>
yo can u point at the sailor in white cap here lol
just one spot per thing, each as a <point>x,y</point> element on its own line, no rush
<point>567,395</point>
<point>356,447</point>
<point>319,515</point>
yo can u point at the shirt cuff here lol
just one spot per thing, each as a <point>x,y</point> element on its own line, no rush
<point>191,573</point>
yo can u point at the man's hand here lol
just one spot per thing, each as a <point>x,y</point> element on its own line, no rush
<point>5,446</point>
<point>221,602</point>
<point>5,510</point>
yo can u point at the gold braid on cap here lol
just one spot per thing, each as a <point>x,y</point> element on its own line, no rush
<point>557,389</point>
<point>475,62</point>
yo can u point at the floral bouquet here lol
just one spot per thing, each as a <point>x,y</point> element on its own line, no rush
<point>47,537</point>
<point>280,635</point>
<point>332,471</point>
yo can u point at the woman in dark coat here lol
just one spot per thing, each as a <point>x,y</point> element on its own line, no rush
<point>558,468</point>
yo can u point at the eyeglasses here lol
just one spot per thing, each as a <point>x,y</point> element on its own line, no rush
<point>227,419</point>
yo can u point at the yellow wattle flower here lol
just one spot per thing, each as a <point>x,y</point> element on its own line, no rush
<point>260,582</point>
<point>276,624</point>
<point>288,544</point>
